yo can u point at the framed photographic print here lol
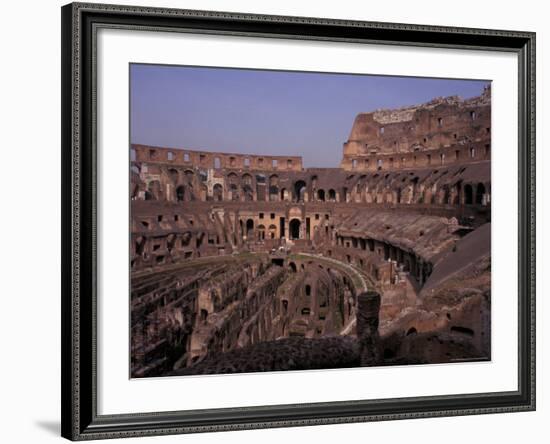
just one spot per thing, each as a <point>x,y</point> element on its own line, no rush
<point>279,221</point>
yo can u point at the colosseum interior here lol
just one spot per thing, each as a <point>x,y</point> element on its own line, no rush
<point>245,263</point>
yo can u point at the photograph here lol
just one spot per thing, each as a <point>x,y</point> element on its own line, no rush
<point>297,220</point>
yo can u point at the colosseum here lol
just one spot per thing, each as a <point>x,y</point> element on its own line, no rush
<point>246,263</point>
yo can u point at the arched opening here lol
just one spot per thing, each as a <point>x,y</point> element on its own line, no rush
<point>292,266</point>
<point>299,190</point>
<point>186,239</point>
<point>247,179</point>
<point>431,194</point>
<point>370,244</point>
<point>261,190</point>
<point>468,195</point>
<point>134,190</point>
<point>173,175</point>
<point>180,193</point>
<point>249,228</point>
<point>294,228</point>
<point>273,193</point>
<point>321,195</point>
<point>189,176</point>
<point>480,193</point>
<point>261,232</point>
<point>140,245</point>
<point>331,195</point>
<point>446,195</point>
<point>218,192</point>
<point>308,290</point>
<point>234,191</point>
<point>456,198</point>
<point>232,183</point>
<point>359,192</point>
<point>248,193</point>
<point>414,183</point>
<point>272,231</point>
<point>283,193</point>
<point>170,242</point>
<point>154,189</point>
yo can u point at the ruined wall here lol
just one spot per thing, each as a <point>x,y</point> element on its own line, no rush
<point>228,296</point>
<point>182,315</point>
<point>453,185</point>
<point>441,132</point>
<point>233,254</point>
<point>213,160</point>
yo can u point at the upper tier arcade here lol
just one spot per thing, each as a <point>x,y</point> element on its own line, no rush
<point>212,160</point>
<point>443,131</point>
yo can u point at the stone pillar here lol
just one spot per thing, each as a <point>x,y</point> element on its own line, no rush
<point>368,308</point>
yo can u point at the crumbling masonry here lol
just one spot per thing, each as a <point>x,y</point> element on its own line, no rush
<point>246,263</point>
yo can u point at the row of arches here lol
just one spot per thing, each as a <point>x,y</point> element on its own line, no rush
<point>407,261</point>
<point>479,194</point>
<point>434,188</point>
<point>259,233</point>
<point>414,193</point>
<point>458,194</point>
<point>185,193</point>
<point>330,196</point>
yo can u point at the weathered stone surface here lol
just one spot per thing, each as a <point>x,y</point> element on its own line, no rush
<point>284,354</point>
<point>368,309</point>
<point>251,263</point>
<point>446,130</point>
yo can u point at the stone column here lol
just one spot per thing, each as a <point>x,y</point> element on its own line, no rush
<point>368,308</point>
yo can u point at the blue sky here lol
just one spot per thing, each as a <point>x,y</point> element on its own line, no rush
<point>267,112</point>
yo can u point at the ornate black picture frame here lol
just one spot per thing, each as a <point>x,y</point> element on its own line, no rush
<point>80,419</point>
